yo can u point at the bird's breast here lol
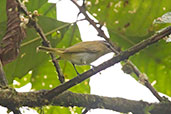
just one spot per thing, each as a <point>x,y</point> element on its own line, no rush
<point>83,58</point>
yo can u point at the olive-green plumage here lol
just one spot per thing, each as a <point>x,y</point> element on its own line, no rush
<point>82,53</point>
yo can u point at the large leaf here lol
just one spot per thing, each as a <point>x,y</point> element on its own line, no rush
<point>131,21</point>
<point>2,29</point>
<point>61,110</point>
<point>56,110</point>
<point>3,11</point>
<point>35,4</point>
<point>48,10</point>
<point>3,19</point>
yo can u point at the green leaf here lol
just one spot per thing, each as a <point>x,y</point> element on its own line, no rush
<point>35,4</point>
<point>2,29</point>
<point>127,20</point>
<point>60,110</point>
<point>23,81</point>
<point>3,19</point>
<point>48,10</point>
<point>131,21</point>
<point>44,76</point>
<point>3,11</point>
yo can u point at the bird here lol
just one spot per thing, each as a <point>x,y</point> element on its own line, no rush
<point>83,53</point>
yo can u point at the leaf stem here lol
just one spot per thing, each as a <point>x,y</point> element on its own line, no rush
<point>46,34</point>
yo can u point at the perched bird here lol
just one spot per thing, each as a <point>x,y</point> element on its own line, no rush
<point>82,53</point>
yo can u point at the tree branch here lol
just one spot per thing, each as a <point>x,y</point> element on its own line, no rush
<point>45,41</point>
<point>10,98</point>
<point>120,57</point>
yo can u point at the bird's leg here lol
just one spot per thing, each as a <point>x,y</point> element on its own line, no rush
<point>75,69</point>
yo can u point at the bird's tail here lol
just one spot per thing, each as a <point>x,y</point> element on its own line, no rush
<point>51,50</point>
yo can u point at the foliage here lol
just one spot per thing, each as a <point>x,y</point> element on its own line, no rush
<point>128,22</point>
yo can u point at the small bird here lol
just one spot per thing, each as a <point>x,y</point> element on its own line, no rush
<point>82,53</point>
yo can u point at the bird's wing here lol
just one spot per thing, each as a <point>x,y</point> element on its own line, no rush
<point>82,47</point>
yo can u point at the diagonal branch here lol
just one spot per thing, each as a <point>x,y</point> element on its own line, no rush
<point>117,50</point>
<point>120,57</point>
<point>45,41</point>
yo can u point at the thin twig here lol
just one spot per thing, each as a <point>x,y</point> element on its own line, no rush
<point>45,41</point>
<point>146,82</point>
<point>115,49</point>
<point>48,33</point>
<point>47,44</point>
